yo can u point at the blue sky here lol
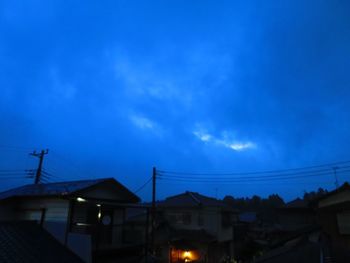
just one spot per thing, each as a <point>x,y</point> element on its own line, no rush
<point>113,88</point>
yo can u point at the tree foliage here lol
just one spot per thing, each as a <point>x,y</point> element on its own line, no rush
<point>254,203</point>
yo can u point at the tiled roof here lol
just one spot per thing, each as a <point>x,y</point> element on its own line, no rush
<point>192,199</point>
<point>58,189</point>
<point>27,242</point>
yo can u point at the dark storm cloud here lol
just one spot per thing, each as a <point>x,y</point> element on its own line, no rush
<point>200,86</point>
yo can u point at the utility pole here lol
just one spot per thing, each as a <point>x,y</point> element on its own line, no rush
<point>336,177</point>
<point>154,175</point>
<point>41,159</point>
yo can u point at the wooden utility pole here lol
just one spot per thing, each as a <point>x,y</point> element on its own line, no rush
<point>41,159</point>
<point>154,175</point>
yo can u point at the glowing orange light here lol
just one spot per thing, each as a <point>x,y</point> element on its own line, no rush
<point>187,256</point>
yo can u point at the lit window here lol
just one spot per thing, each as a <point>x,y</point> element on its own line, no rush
<point>80,199</point>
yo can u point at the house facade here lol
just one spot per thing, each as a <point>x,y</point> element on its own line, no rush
<point>194,228</point>
<point>18,245</point>
<point>88,216</point>
<point>295,215</point>
<point>318,231</point>
<point>333,215</point>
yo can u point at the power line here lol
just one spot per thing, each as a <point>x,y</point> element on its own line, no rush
<point>16,177</point>
<point>14,174</point>
<point>257,172</point>
<point>47,173</point>
<point>243,179</point>
<point>52,172</point>
<point>14,148</point>
<point>44,179</point>
<point>277,175</point>
<point>143,186</point>
<point>51,176</point>
<point>166,182</point>
<point>13,170</point>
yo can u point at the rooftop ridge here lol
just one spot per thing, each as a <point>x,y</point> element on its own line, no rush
<point>194,198</point>
<point>61,188</point>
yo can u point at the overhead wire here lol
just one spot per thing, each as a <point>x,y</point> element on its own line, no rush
<point>238,179</point>
<point>15,177</point>
<point>214,180</point>
<point>257,172</point>
<point>12,170</point>
<point>13,174</point>
<point>247,183</point>
<point>49,175</point>
<point>264,176</point>
<point>15,148</point>
<point>253,177</point>
<point>143,185</point>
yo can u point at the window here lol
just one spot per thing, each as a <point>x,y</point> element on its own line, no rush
<point>33,215</point>
<point>180,218</point>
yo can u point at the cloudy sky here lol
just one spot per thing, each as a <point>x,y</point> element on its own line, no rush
<point>114,88</point>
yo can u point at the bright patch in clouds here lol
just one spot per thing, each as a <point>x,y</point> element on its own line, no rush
<point>232,144</point>
<point>238,146</point>
<point>142,122</point>
<point>205,137</point>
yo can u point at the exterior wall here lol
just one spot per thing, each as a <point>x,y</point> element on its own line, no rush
<point>343,220</point>
<point>209,219</point>
<point>334,214</point>
<point>7,212</point>
<point>56,214</point>
<point>56,209</point>
<point>294,219</point>
<point>212,221</point>
<point>328,221</point>
<point>118,220</point>
<point>225,234</point>
<point>175,217</point>
<point>335,199</point>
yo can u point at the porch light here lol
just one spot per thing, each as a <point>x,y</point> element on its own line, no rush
<point>80,199</point>
<point>187,255</point>
<point>98,205</point>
